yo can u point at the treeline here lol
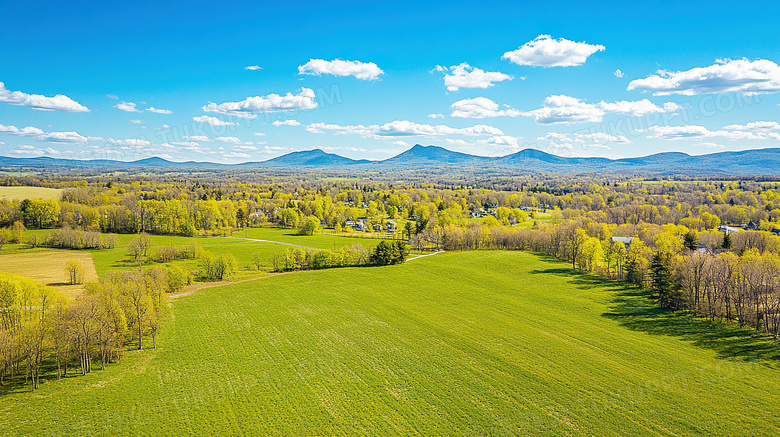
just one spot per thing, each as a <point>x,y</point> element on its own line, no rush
<point>385,253</point>
<point>219,206</point>
<point>39,326</point>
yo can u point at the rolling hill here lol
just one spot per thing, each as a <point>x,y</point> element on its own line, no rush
<point>748,162</point>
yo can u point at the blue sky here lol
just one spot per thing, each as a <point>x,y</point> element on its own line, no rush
<point>370,79</point>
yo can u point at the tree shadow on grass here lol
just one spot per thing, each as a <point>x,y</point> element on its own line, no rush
<point>636,310</point>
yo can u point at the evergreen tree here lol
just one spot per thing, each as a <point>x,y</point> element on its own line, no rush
<point>726,241</point>
<point>663,281</point>
<point>690,241</point>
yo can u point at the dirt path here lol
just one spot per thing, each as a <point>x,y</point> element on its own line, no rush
<point>274,242</point>
<point>423,256</point>
<point>191,289</point>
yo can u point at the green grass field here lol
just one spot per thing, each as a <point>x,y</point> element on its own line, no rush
<point>474,343</point>
<point>21,193</point>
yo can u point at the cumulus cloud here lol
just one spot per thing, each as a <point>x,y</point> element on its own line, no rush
<point>710,145</point>
<point>561,109</point>
<point>749,77</point>
<point>755,126</point>
<point>236,155</point>
<point>732,132</point>
<point>59,102</point>
<point>29,150</point>
<point>557,139</point>
<point>253,67</point>
<point>466,76</point>
<point>244,147</point>
<point>233,140</point>
<point>618,73</point>
<point>258,134</point>
<point>638,108</point>
<point>401,143</point>
<point>212,121</point>
<point>304,100</point>
<point>480,107</point>
<point>126,106</point>
<point>131,142</point>
<point>544,51</point>
<point>54,137</point>
<point>197,138</point>
<point>286,123</point>
<point>401,128</point>
<point>337,67</point>
<point>136,121</point>
<point>435,116</point>
<point>159,111</point>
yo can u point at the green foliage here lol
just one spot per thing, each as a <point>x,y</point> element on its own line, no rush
<point>690,241</point>
<point>309,226</point>
<point>390,253</point>
<point>662,279</point>
<point>217,267</point>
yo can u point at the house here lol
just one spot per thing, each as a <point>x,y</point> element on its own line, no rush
<point>349,222</point>
<point>359,226</point>
<point>362,219</point>
<point>390,226</point>
<point>752,226</point>
<point>727,229</point>
<point>775,231</point>
<point>377,227</point>
<point>625,240</point>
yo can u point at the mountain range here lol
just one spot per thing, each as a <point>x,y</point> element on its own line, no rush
<point>765,162</point>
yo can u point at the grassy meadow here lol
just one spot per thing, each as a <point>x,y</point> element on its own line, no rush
<point>21,193</point>
<point>468,343</point>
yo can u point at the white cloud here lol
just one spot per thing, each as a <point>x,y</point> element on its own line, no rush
<point>480,107</point>
<point>212,121</point>
<point>42,103</point>
<point>304,100</point>
<point>749,77</point>
<point>434,116</point>
<point>244,147</point>
<point>131,142</point>
<point>638,108</point>
<point>236,155</point>
<point>401,128</point>
<point>502,141</point>
<point>466,76</point>
<point>159,111</point>
<point>560,109</point>
<point>26,149</point>
<point>557,139</point>
<point>253,67</point>
<point>186,143</point>
<point>196,138</point>
<point>544,51</point>
<point>126,106</point>
<point>259,134</point>
<point>54,137</point>
<point>733,132</point>
<point>233,140</point>
<point>111,96</point>
<point>286,123</point>
<point>136,121</point>
<point>401,143</point>
<point>337,67</point>
<point>618,73</point>
<point>755,126</point>
<point>599,140</point>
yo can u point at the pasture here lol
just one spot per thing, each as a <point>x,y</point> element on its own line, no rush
<point>21,193</point>
<point>469,343</point>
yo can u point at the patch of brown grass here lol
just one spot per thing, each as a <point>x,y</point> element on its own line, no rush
<point>48,267</point>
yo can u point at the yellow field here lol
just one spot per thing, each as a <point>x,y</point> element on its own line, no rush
<point>21,193</point>
<point>48,267</point>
